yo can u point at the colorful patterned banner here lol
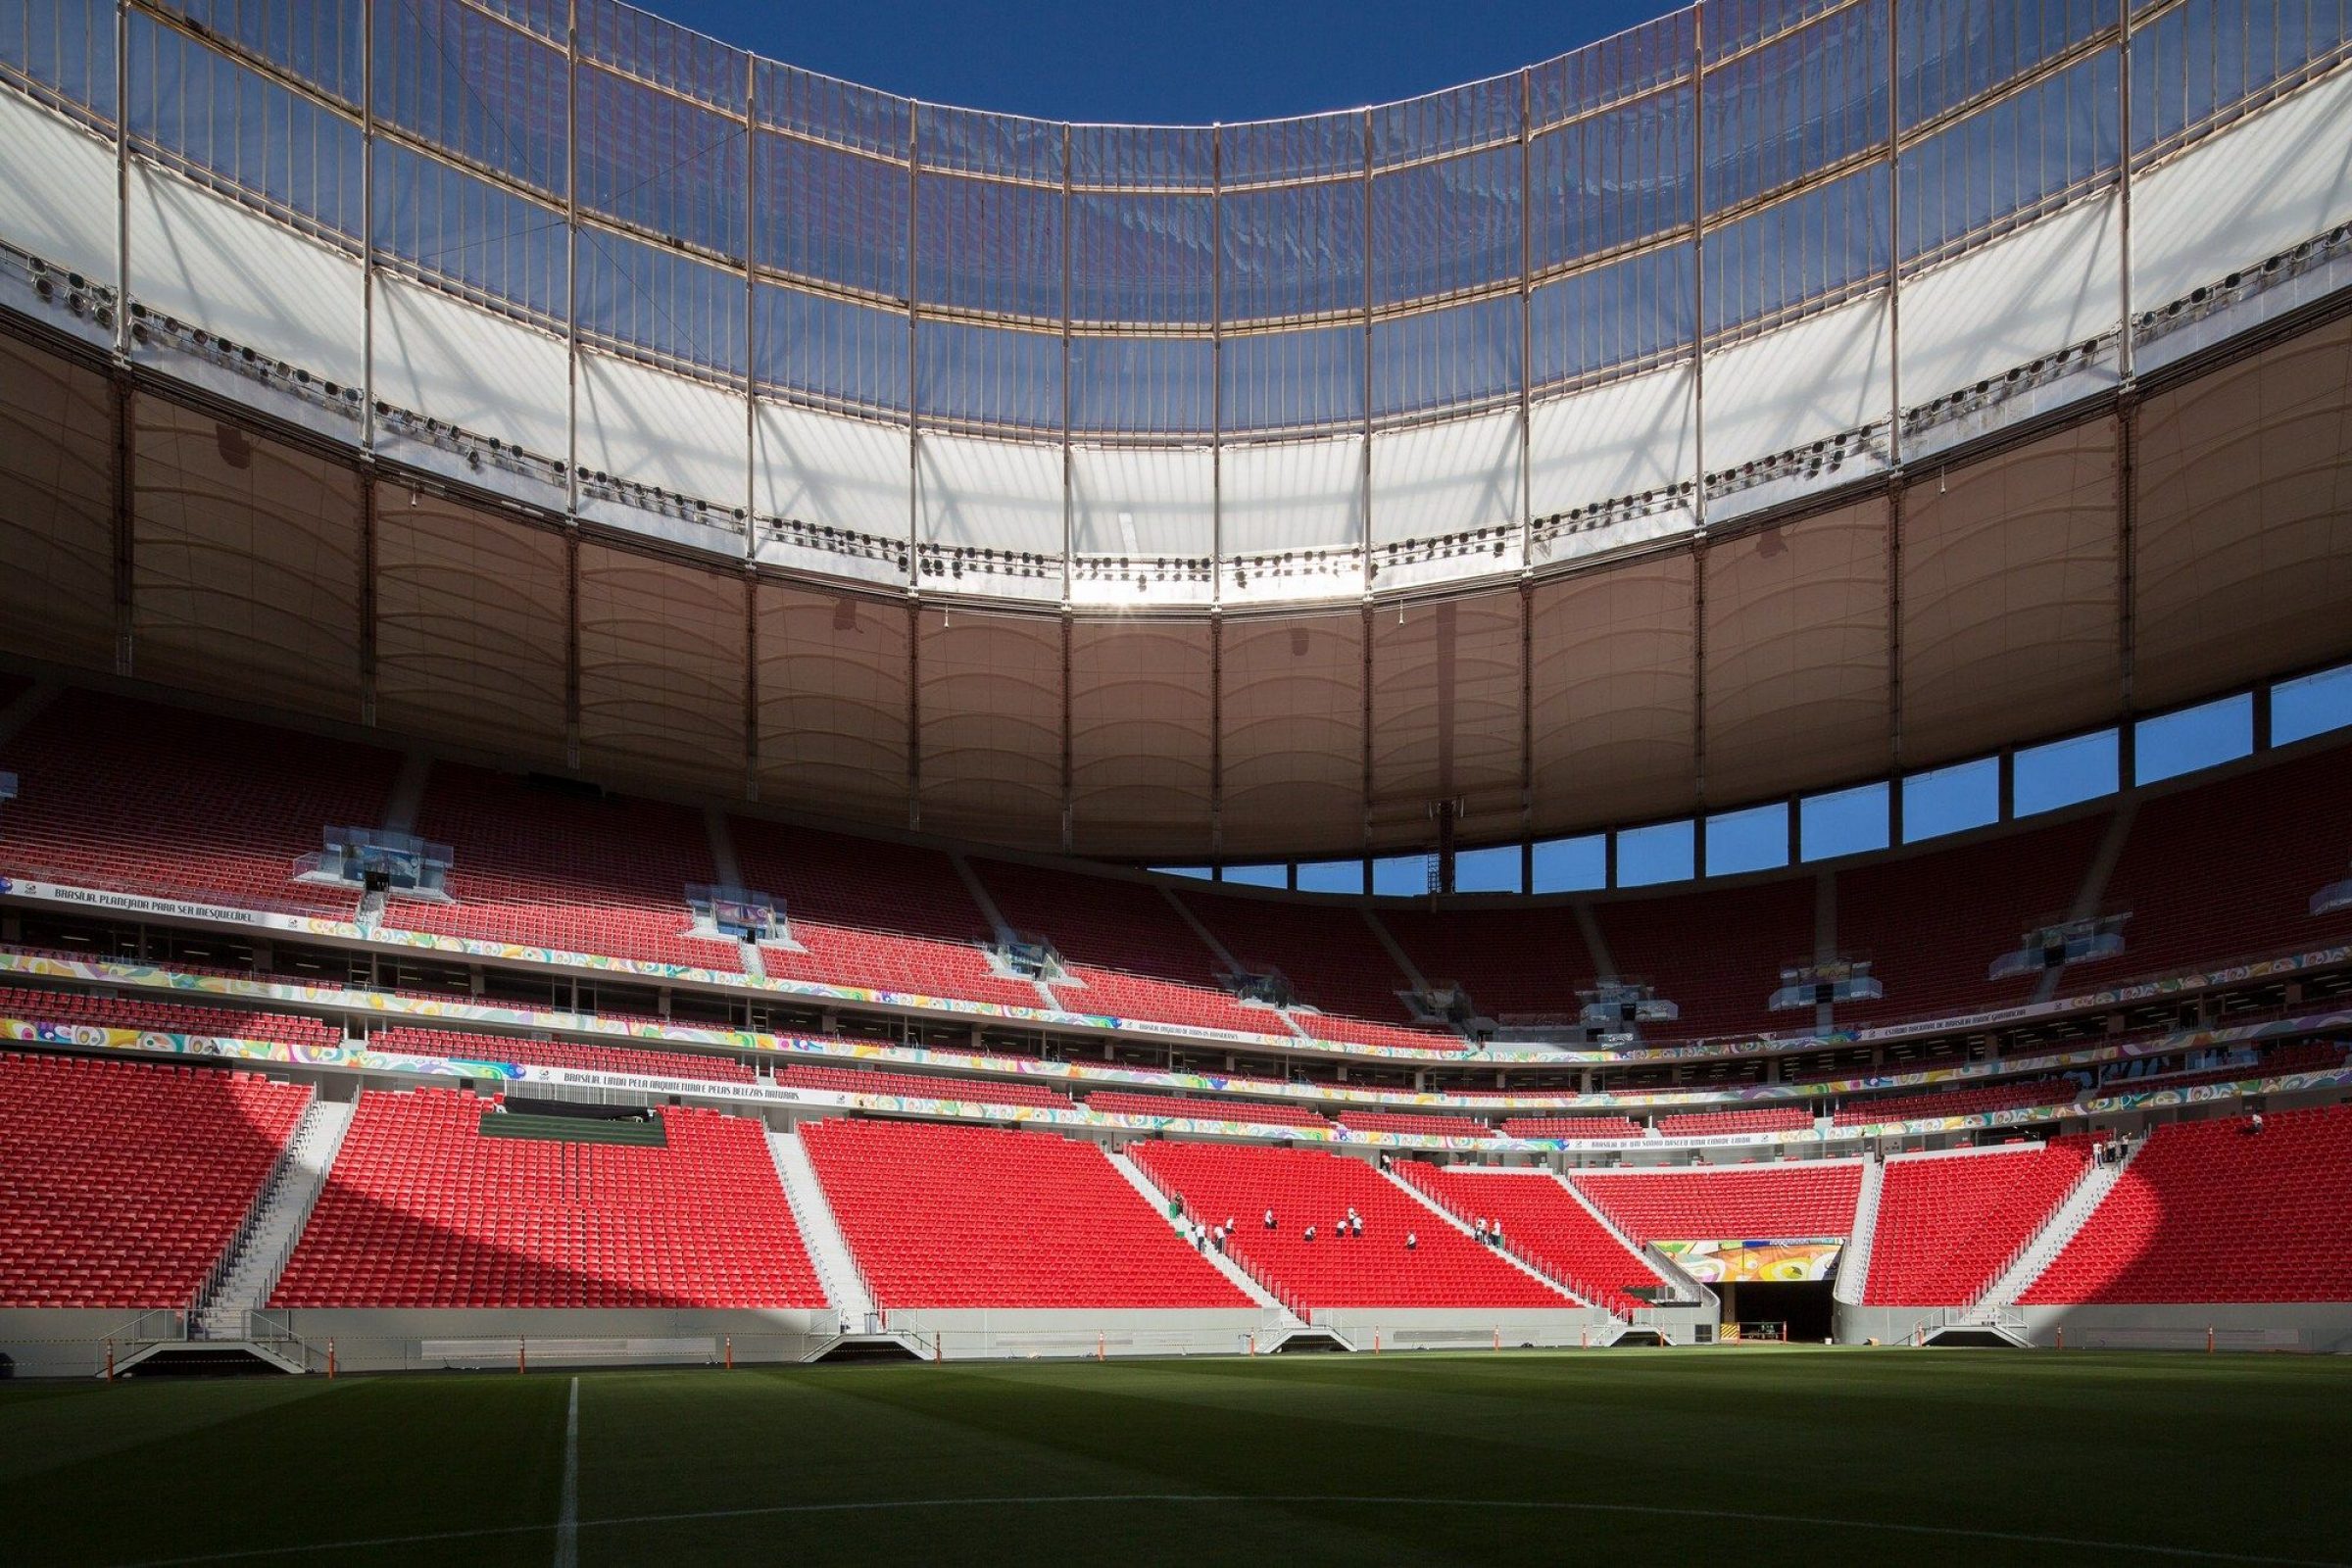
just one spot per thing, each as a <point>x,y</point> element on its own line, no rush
<point>1488,1056</point>
<point>1330,1097</point>
<point>1788,1263</point>
<point>362,1059</point>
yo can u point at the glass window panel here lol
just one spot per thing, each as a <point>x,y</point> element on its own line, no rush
<point>848,216</point>
<point>323,42</point>
<point>833,111</point>
<point>1305,148</point>
<point>1952,799</point>
<point>986,245</point>
<point>1442,228</point>
<point>1331,876</point>
<point>1142,258</point>
<point>1285,381</point>
<point>1950,51</point>
<point>659,163</point>
<point>486,91</point>
<point>2013,156</point>
<point>2065,773</point>
<point>1817,244</point>
<point>67,46</point>
<point>832,351</point>
<point>1402,876</point>
<point>1298,250</point>
<point>1143,385</point>
<point>660,51</point>
<point>988,375</point>
<point>1755,839</point>
<point>484,238</point>
<point>288,152</point>
<point>1274,874</point>
<point>1622,315</point>
<point>2311,704</point>
<point>2211,733</point>
<point>1459,355</point>
<point>661,300</point>
<point>1571,865</point>
<point>1844,822</point>
<point>1622,175</point>
<point>1796,106</point>
<point>1643,58</point>
<point>1660,853</point>
<point>1489,870</point>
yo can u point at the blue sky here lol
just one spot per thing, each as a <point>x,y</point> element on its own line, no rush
<point>1160,61</point>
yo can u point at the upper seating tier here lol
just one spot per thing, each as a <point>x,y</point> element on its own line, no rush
<point>548,867</point>
<point>138,797</point>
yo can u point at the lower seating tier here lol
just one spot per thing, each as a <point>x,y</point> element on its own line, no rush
<point>1801,1200</point>
<point>122,1183</point>
<point>1543,1224</point>
<point>1302,1188</point>
<point>1948,1224</point>
<point>423,1209</point>
<point>976,1218</point>
<point>2244,1208</point>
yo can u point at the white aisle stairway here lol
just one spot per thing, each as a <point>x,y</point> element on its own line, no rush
<point>820,1232</point>
<point>1853,1265</point>
<point>2064,1224</point>
<point>267,1238</point>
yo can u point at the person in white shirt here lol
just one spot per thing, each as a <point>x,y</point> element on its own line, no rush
<point>1412,1241</point>
<point>1310,1234</point>
<point>1482,1231</point>
<point>1269,1219</point>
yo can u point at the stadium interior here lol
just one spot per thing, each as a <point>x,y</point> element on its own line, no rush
<point>658,711</point>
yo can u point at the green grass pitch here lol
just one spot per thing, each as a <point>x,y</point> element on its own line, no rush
<point>1747,1455</point>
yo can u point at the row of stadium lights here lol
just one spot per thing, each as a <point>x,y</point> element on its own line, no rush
<point>1827,456</point>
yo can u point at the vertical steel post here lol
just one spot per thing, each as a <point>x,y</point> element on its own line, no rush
<point>1216,370</point>
<point>1526,321</point>
<point>1895,237</point>
<point>1067,504</point>
<point>368,226</point>
<point>572,262</point>
<point>750,307</point>
<point>1698,266</point>
<point>1365,499</point>
<point>915,191</point>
